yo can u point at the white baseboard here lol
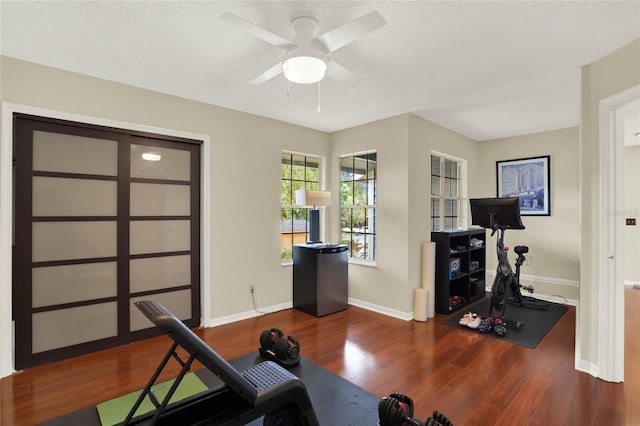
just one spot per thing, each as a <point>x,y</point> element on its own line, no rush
<point>540,279</point>
<point>546,280</point>
<point>587,367</point>
<point>406,316</point>
<point>631,283</point>
<point>249,314</point>
<point>554,298</point>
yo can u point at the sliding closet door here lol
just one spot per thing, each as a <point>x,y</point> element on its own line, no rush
<point>98,227</point>
<point>65,251</point>
<point>164,218</point>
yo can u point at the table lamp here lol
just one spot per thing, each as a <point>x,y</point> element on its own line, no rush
<point>314,198</point>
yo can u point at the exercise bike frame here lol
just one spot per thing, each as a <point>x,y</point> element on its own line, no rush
<point>504,279</point>
<point>500,214</point>
<point>507,281</point>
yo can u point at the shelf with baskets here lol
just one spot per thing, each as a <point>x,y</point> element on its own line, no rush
<point>460,268</point>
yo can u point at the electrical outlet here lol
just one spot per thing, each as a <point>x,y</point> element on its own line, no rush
<point>528,261</point>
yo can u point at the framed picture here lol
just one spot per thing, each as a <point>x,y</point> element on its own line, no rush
<point>528,179</point>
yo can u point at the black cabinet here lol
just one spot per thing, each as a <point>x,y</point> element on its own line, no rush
<point>320,278</point>
<point>460,268</point>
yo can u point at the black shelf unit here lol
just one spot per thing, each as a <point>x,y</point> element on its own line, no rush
<point>460,268</point>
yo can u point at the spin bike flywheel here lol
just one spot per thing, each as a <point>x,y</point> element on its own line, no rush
<point>499,293</point>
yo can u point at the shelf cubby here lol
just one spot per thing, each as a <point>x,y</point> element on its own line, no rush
<point>460,268</point>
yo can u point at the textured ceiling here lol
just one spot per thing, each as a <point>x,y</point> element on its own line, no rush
<point>483,69</point>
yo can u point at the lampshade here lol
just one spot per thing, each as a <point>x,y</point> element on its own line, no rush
<point>310,197</point>
<point>304,69</point>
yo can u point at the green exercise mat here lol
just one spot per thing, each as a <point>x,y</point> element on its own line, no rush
<point>115,410</point>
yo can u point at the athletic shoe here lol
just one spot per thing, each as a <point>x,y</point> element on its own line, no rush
<point>486,325</point>
<point>465,319</point>
<point>499,327</point>
<point>475,321</point>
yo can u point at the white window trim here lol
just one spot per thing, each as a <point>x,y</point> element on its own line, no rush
<point>356,260</point>
<point>463,198</point>
<point>322,184</point>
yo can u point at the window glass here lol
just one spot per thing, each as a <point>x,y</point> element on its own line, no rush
<point>297,172</point>
<point>445,193</point>
<point>358,193</point>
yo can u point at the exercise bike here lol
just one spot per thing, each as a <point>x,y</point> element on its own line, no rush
<point>500,214</point>
<point>517,298</point>
<point>506,286</point>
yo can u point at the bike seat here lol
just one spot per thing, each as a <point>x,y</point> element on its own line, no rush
<point>521,249</point>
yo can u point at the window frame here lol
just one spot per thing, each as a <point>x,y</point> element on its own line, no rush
<point>369,236</point>
<point>307,184</point>
<point>460,216</point>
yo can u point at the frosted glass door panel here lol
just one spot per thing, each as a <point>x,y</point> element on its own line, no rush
<point>55,285</point>
<point>73,240</point>
<point>170,164</point>
<point>151,199</point>
<point>57,152</point>
<point>159,272</point>
<point>159,236</point>
<point>61,328</point>
<point>54,196</point>
<point>178,302</point>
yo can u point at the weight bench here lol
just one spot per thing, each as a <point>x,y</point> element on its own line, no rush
<point>266,389</point>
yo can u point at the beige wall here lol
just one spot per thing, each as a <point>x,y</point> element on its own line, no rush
<point>553,241</point>
<point>384,285</point>
<point>240,140</point>
<point>245,156</point>
<point>632,210</point>
<point>404,145</point>
<point>601,79</point>
<point>425,137</point>
<point>245,153</point>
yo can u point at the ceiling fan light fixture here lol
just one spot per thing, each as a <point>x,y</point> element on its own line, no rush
<point>304,69</point>
<point>151,156</point>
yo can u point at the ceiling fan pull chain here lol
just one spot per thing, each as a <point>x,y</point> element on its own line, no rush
<point>319,108</point>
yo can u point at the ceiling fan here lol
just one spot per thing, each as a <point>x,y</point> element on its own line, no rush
<point>306,59</point>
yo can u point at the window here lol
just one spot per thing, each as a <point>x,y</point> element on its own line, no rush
<point>298,172</point>
<point>445,193</point>
<point>358,177</point>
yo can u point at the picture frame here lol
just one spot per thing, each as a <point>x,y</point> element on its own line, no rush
<point>528,179</point>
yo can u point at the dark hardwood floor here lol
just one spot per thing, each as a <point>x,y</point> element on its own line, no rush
<point>473,379</point>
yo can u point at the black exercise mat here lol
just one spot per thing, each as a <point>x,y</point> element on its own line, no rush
<point>537,323</point>
<point>335,400</point>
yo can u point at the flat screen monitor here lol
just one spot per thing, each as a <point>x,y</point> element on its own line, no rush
<point>498,212</point>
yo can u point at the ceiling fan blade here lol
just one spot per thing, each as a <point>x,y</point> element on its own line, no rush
<point>340,74</point>
<point>268,74</point>
<point>256,31</point>
<point>341,36</point>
